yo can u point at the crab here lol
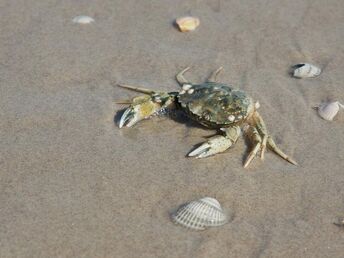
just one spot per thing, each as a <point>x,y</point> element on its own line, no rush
<point>212,104</point>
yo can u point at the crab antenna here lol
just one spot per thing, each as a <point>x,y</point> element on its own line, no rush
<point>133,88</point>
<point>124,101</point>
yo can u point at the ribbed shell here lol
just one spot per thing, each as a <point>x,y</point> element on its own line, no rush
<point>329,110</point>
<point>200,214</point>
<point>306,70</point>
<point>215,104</point>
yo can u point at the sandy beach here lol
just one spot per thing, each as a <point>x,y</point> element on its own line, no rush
<point>72,184</point>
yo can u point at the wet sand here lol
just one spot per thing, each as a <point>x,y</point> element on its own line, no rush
<point>73,185</point>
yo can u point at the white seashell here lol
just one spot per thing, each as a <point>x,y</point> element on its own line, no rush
<point>187,23</point>
<point>306,70</point>
<point>329,110</point>
<point>200,214</point>
<point>83,19</point>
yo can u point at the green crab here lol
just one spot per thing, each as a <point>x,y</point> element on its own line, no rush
<point>215,106</point>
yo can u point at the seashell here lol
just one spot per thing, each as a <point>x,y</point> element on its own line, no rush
<point>187,23</point>
<point>200,214</point>
<point>82,19</point>
<point>306,70</point>
<point>329,110</point>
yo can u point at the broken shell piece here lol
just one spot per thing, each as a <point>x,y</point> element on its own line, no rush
<point>82,19</point>
<point>200,214</point>
<point>188,23</point>
<point>306,70</point>
<point>329,110</point>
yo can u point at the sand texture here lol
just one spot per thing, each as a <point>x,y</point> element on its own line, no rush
<point>72,184</point>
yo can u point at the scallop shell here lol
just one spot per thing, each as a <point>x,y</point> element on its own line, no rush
<point>200,214</point>
<point>188,23</point>
<point>329,110</point>
<point>82,19</point>
<point>306,70</point>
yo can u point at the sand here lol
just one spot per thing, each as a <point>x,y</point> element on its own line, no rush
<point>72,184</point>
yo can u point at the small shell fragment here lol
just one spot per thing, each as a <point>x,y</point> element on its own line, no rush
<point>82,19</point>
<point>306,70</point>
<point>200,214</point>
<point>187,23</point>
<point>329,110</point>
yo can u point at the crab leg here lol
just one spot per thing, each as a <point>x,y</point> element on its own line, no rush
<point>214,74</point>
<point>217,144</point>
<point>180,76</point>
<point>138,89</point>
<point>257,139</point>
<point>261,128</point>
<point>259,134</point>
<point>272,146</point>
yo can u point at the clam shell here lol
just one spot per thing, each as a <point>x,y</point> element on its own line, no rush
<point>82,19</point>
<point>200,214</point>
<point>329,110</point>
<point>188,23</point>
<point>306,70</point>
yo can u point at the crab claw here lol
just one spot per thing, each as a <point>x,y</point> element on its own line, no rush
<point>211,147</point>
<point>129,118</point>
<point>142,107</point>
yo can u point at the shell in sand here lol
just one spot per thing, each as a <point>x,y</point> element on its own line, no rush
<point>329,110</point>
<point>188,23</point>
<point>200,214</point>
<point>306,70</point>
<point>82,19</point>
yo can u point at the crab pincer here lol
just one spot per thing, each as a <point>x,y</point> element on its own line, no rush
<point>143,107</point>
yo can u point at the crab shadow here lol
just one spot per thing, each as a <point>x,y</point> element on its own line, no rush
<point>248,147</point>
<point>118,115</point>
<point>181,118</point>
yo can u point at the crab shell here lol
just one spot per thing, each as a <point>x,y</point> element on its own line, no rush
<point>215,105</point>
